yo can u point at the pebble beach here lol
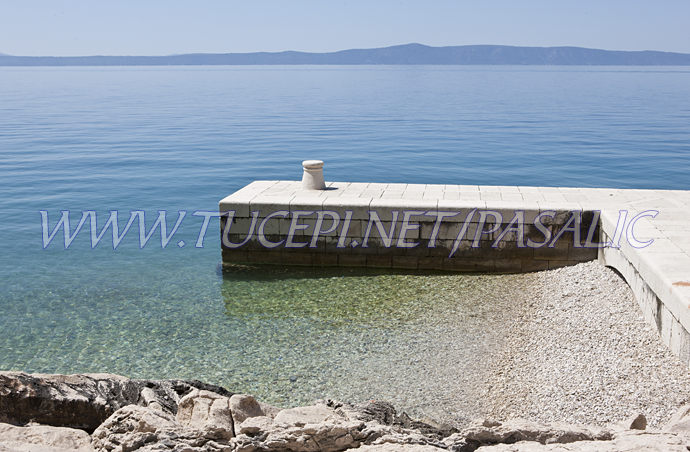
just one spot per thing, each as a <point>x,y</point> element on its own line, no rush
<point>581,352</point>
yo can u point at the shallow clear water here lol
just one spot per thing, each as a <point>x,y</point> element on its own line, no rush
<point>286,335</point>
<point>181,138</point>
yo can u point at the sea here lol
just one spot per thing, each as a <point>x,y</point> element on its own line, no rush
<point>179,138</point>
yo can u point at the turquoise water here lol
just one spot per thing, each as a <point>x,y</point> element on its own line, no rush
<point>181,138</point>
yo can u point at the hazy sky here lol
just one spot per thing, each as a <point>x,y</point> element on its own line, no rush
<point>161,27</point>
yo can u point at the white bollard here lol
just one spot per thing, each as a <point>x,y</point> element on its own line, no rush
<point>312,178</point>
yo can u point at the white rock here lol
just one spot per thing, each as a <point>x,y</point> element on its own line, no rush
<point>680,421</point>
<point>43,438</point>
<point>244,406</point>
<point>398,448</point>
<point>301,416</point>
<point>206,411</point>
<point>253,425</point>
<point>637,441</point>
<point>129,425</point>
<point>491,432</point>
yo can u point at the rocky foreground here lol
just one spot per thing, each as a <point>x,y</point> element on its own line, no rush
<point>104,412</point>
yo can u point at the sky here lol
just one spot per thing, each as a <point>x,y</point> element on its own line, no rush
<point>164,27</point>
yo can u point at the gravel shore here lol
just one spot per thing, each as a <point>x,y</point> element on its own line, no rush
<point>581,352</point>
<point>566,345</point>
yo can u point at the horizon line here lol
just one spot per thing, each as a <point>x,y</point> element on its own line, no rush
<point>343,50</point>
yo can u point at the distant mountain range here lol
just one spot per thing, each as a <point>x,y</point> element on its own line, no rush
<point>401,54</point>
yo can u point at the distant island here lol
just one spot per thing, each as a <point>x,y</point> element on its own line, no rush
<point>400,54</point>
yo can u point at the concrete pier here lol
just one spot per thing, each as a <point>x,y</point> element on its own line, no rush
<point>641,233</point>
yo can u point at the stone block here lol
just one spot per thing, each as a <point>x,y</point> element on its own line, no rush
<point>408,262</point>
<point>507,265</point>
<point>430,263</point>
<point>297,258</point>
<point>341,205</point>
<point>468,265</point>
<point>533,265</point>
<point>553,264</point>
<point>267,205</point>
<point>325,259</point>
<point>234,256</point>
<point>352,260</point>
<point>582,254</point>
<point>378,261</point>
<point>384,208</point>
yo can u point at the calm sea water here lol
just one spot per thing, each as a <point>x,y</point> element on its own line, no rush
<point>181,138</point>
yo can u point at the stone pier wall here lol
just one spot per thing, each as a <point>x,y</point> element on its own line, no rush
<point>671,317</point>
<point>421,234</point>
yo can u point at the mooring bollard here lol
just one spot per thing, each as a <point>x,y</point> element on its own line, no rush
<point>312,178</point>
